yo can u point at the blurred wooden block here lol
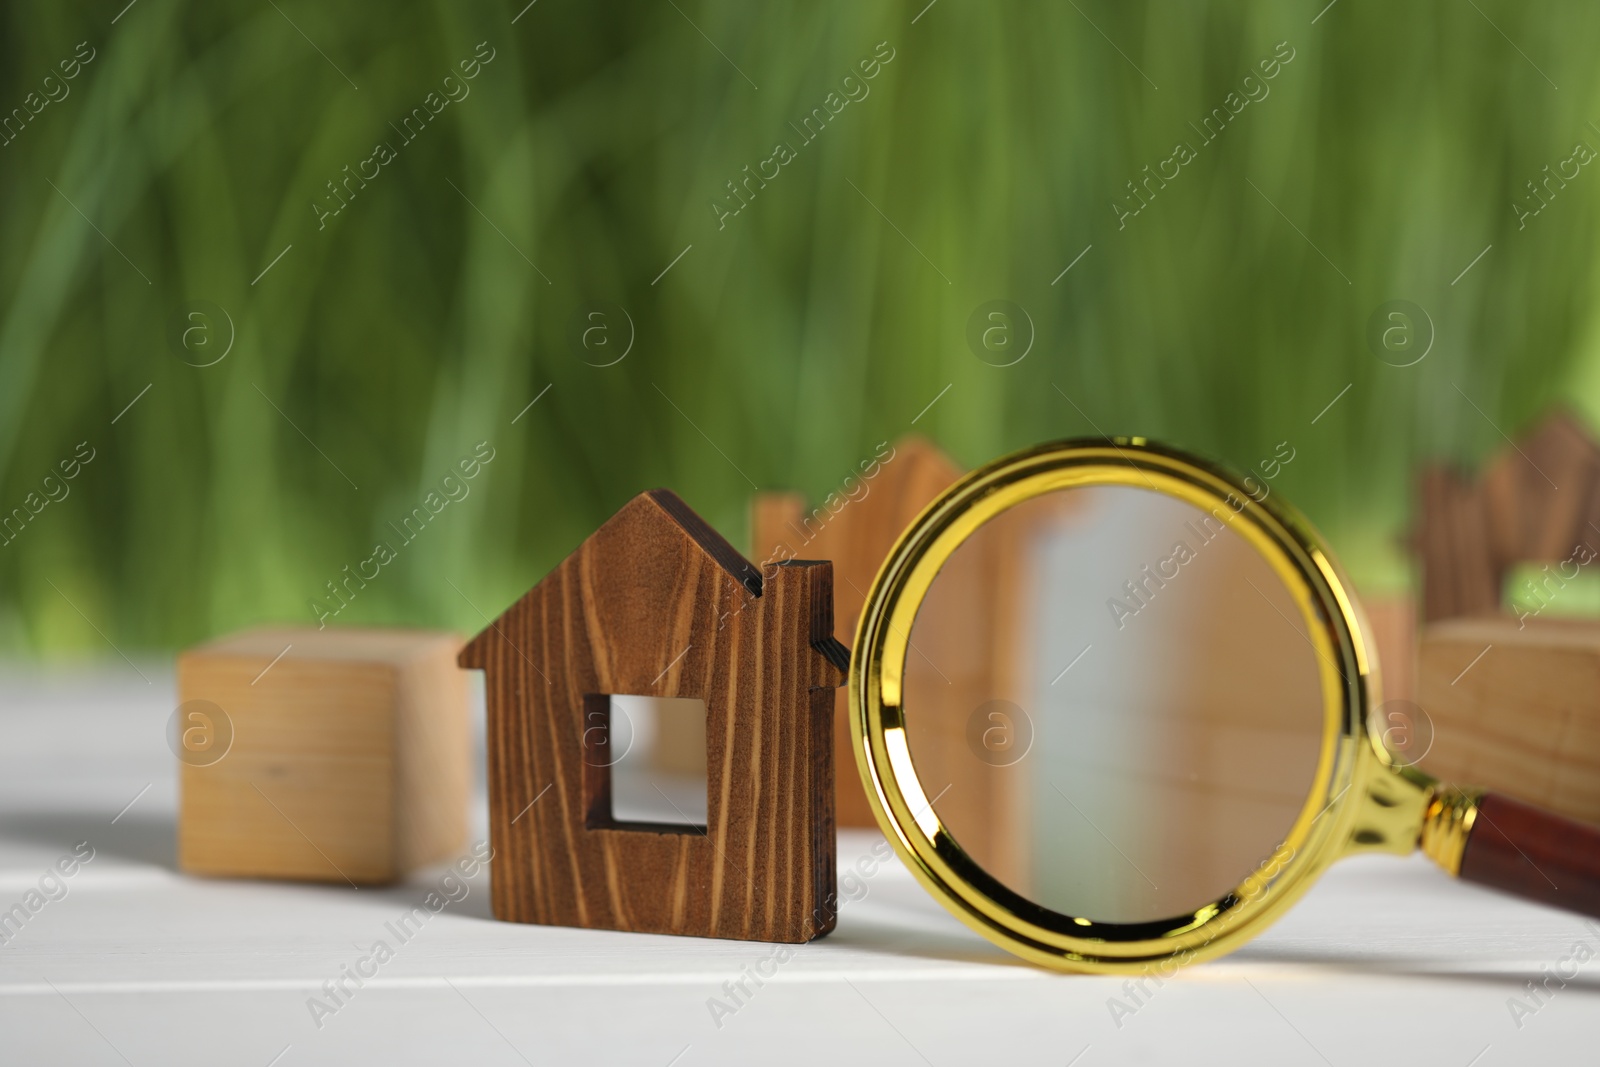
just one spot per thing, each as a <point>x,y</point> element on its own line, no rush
<point>1516,709</point>
<point>1460,575</point>
<point>335,755</point>
<point>854,528</point>
<point>1393,617</point>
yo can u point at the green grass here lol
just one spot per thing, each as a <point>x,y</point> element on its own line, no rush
<point>780,349</point>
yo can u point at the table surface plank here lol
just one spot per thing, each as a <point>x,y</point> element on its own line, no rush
<point>139,964</point>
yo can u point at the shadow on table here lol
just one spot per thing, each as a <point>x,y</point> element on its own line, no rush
<point>417,891</point>
<point>1416,966</point>
<point>134,837</point>
<point>152,839</point>
<point>872,934</point>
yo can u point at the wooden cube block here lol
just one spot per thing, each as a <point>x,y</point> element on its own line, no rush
<point>1393,618</point>
<point>336,755</point>
<point>1516,709</point>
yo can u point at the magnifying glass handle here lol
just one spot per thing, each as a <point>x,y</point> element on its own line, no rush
<point>1533,854</point>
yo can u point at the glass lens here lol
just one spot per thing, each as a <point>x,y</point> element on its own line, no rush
<point>1114,702</point>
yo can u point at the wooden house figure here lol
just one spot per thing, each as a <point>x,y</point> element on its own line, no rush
<point>656,603</point>
<point>1534,502</point>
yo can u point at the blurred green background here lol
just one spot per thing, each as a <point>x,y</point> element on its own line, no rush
<point>782,343</point>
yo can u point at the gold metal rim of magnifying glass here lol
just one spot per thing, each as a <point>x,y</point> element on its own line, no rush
<point>1361,799</point>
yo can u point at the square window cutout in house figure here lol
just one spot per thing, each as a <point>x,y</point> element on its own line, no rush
<point>645,763</point>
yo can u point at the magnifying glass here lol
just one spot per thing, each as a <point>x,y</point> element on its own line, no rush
<point>1115,708</point>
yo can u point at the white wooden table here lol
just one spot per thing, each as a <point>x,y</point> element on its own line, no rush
<point>1385,961</point>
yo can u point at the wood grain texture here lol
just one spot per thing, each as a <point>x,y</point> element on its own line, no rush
<point>1534,854</point>
<point>1516,708</point>
<point>855,528</point>
<point>1460,575</point>
<point>350,759</point>
<point>655,603</point>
